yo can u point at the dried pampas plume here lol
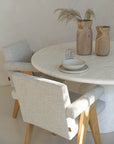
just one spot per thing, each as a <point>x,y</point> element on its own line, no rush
<point>68,15</point>
<point>89,13</point>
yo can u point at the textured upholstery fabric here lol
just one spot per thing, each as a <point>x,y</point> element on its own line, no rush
<point>100,105</point>
<point>20,66</point>
<point>84,101</point>
<point>18,52</point>
<point>44,102</point>
<point>18,58</point>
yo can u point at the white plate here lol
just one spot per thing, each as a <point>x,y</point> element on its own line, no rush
<point>81,70</point>
<point>73,64</point>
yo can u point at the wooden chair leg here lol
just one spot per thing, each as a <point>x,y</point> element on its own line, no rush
<point>27,72</point>
<point>94,125</point>
<point>16,109</point>
<point>53,134</point>
<point>29,131</point>
<point>83,125</point>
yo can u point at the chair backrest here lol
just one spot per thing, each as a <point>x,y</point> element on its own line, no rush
<point>43,103</point>
<point>18,52</point>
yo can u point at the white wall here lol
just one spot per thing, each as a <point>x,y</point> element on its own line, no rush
<point>35,21</point>
<point>7,31</point>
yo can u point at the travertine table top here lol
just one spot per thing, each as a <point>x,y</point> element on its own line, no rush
<point>101,68</point>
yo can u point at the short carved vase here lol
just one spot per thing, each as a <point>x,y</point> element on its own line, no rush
<point>102,47</point>
<point>84,37</point>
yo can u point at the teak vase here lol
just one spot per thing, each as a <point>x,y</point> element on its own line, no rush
<point>84,37</point>
<point>102,47</point>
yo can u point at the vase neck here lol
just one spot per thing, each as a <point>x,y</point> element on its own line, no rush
<point>103,29</point>
<point>84,24</point>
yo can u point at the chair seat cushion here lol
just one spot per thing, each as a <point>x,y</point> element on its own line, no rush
<point>19,51</point>
<point>20,66</point>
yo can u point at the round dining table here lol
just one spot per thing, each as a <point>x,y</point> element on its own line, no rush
<point>100,72</point>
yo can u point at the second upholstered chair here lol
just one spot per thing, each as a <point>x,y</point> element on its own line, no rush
<point>18,58</point>
<point>46,103</point>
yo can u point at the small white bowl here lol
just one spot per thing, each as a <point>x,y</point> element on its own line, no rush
<point>73,64</point>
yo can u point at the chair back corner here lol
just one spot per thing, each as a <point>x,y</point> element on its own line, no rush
<point>19,51</point>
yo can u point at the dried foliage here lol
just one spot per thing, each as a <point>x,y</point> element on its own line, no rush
<point>89,13</point>
<point>70,14</point>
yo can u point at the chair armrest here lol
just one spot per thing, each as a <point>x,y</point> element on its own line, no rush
<point>81,104</point>
<point>20,66</point>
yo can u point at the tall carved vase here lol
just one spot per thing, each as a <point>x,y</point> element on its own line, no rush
<point>102,47</point>
<point>84,37</point>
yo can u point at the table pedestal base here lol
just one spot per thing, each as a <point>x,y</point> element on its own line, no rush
<point>106,117</point>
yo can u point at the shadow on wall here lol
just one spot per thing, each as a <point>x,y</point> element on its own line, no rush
<point>3,72</point>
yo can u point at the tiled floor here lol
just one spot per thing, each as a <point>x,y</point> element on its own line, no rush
<point>12,131</point>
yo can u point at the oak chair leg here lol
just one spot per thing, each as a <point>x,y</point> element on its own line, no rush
<point>93,122</point>
<point>53,134</point>
<point>16,109</point>
<point>83,125</point>
<point>29,131</point>
<point>27,72</point>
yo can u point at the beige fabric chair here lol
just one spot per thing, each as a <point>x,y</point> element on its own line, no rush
<point>18,58</point>
<point>46,103</point>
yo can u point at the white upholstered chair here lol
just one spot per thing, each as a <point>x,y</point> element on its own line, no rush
<point>18,58</point>
<point>46,103</point>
